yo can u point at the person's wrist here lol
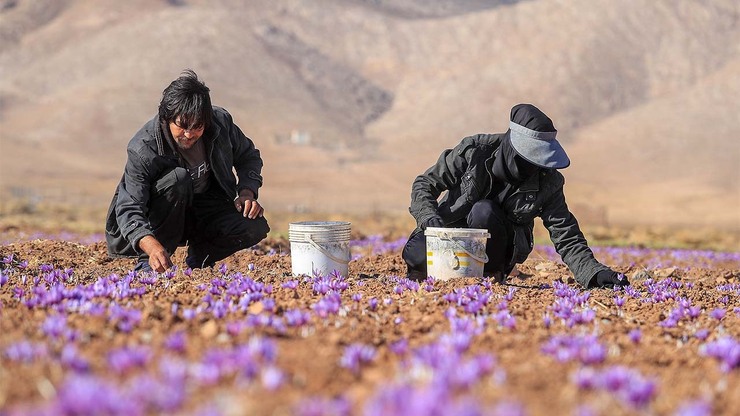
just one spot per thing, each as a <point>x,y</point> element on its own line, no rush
<point>246,193</point>
<point>148,243</point>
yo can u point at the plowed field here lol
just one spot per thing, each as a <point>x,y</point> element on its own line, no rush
<point>82,334</point>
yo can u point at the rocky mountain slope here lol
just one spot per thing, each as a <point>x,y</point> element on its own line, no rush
<point>350,100</point>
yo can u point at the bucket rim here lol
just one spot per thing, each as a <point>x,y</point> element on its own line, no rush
<point>457,232</point>
<point>320,223</point>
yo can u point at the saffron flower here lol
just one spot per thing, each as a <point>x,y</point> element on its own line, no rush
<point>718,313</point>
<point>726,350</point>
<point>355,355</point>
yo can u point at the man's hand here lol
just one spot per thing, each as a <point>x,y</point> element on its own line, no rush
<point>610,278</point>
<point>433,222</point>
<point>247,205</point>
<point>159,259</point>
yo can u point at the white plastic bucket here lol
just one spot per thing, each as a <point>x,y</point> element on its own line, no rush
<point>319,247</point>
<point>456,252</point>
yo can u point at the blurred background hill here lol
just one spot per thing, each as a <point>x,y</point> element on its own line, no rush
<point>349,100</point>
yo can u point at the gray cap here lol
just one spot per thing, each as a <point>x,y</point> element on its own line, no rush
<point>538,147</point>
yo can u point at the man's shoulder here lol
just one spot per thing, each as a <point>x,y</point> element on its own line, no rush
<point>145,138</point>
<point>222,116</point>
<point>481,140</point>
<point>553,177</point>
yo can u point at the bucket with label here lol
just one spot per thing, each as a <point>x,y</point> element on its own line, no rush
<point>456,252</point>
<point>319,247</point>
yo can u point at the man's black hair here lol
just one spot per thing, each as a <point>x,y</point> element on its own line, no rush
<point>187,98</point>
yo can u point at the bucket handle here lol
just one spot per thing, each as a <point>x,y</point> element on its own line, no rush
<point>326,253</point>
<point>447,237</point>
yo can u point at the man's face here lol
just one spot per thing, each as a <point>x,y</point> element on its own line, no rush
<point>185,138</point>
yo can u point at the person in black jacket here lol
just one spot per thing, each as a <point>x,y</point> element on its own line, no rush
<point>179,188</point>
<point>501,182</point>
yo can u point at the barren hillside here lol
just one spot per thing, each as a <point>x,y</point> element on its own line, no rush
<point>350,100</point>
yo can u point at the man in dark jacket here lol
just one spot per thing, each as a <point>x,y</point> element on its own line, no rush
<point>501,182</point>
<point>178,187</point>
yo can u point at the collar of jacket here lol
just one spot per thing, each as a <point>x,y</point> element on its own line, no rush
<point>530,185</point>
<point>162,137</point>
<point>489,165</point>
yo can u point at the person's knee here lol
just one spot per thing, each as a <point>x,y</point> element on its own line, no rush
<point>414,252</point>
<point>252,231</point>
<point>485,214</point>
<point>259,228</point>
<point>176,186</point>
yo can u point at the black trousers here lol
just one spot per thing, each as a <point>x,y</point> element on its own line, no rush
<point>485,214</point>
<point>207,223</point>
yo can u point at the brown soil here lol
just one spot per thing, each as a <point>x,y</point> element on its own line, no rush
<point>309,356</point>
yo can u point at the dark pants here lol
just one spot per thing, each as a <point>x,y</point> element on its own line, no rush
<point>208,223</point>
<point>485,214</point>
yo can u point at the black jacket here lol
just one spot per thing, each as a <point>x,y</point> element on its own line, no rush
<point>465,173</point>
<point>151,154</point>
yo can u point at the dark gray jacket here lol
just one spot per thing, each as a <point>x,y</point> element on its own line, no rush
<point>465,173</point>
<point>151,155</point>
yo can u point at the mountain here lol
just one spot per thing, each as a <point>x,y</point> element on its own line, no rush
<point>350,100</point>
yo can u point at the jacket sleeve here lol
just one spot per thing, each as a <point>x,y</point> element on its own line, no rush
<point>444,175</point>
<point>133,199</point>
<point>568,239</point>
<point>247,159</point>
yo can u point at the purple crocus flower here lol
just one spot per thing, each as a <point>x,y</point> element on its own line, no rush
<point>25,351</point>
<point>509,408</point>
<point>84,394</point>
<point>585,378</point>
<point>718,313</point>
<point>323,407</point>
<point>328,305</point>
<point>272,378</point>
<point>54,326</point>
<point>121,360</point>
<point>356,355</point>
<point>566,348</point>
<point>547,320</point>
<point>635,335</point>
<point>626,384</point>
<point>702,334</point>
<point>296,317</point>
<point>188,314</point>
<point>694,312</point>
<point>694,408</point>
<point>290,284</point>
<point>726,350</point>
<point>176,342</point>
<point>400,347</point>
<point>71,358</point>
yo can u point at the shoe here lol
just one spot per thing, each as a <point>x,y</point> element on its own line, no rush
<point>416,275</point>
<point>143,266</point>
<point>497,276</point>
<point>196,263</point>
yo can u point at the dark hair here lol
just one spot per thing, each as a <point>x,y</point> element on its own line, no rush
<point>187,98</point>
